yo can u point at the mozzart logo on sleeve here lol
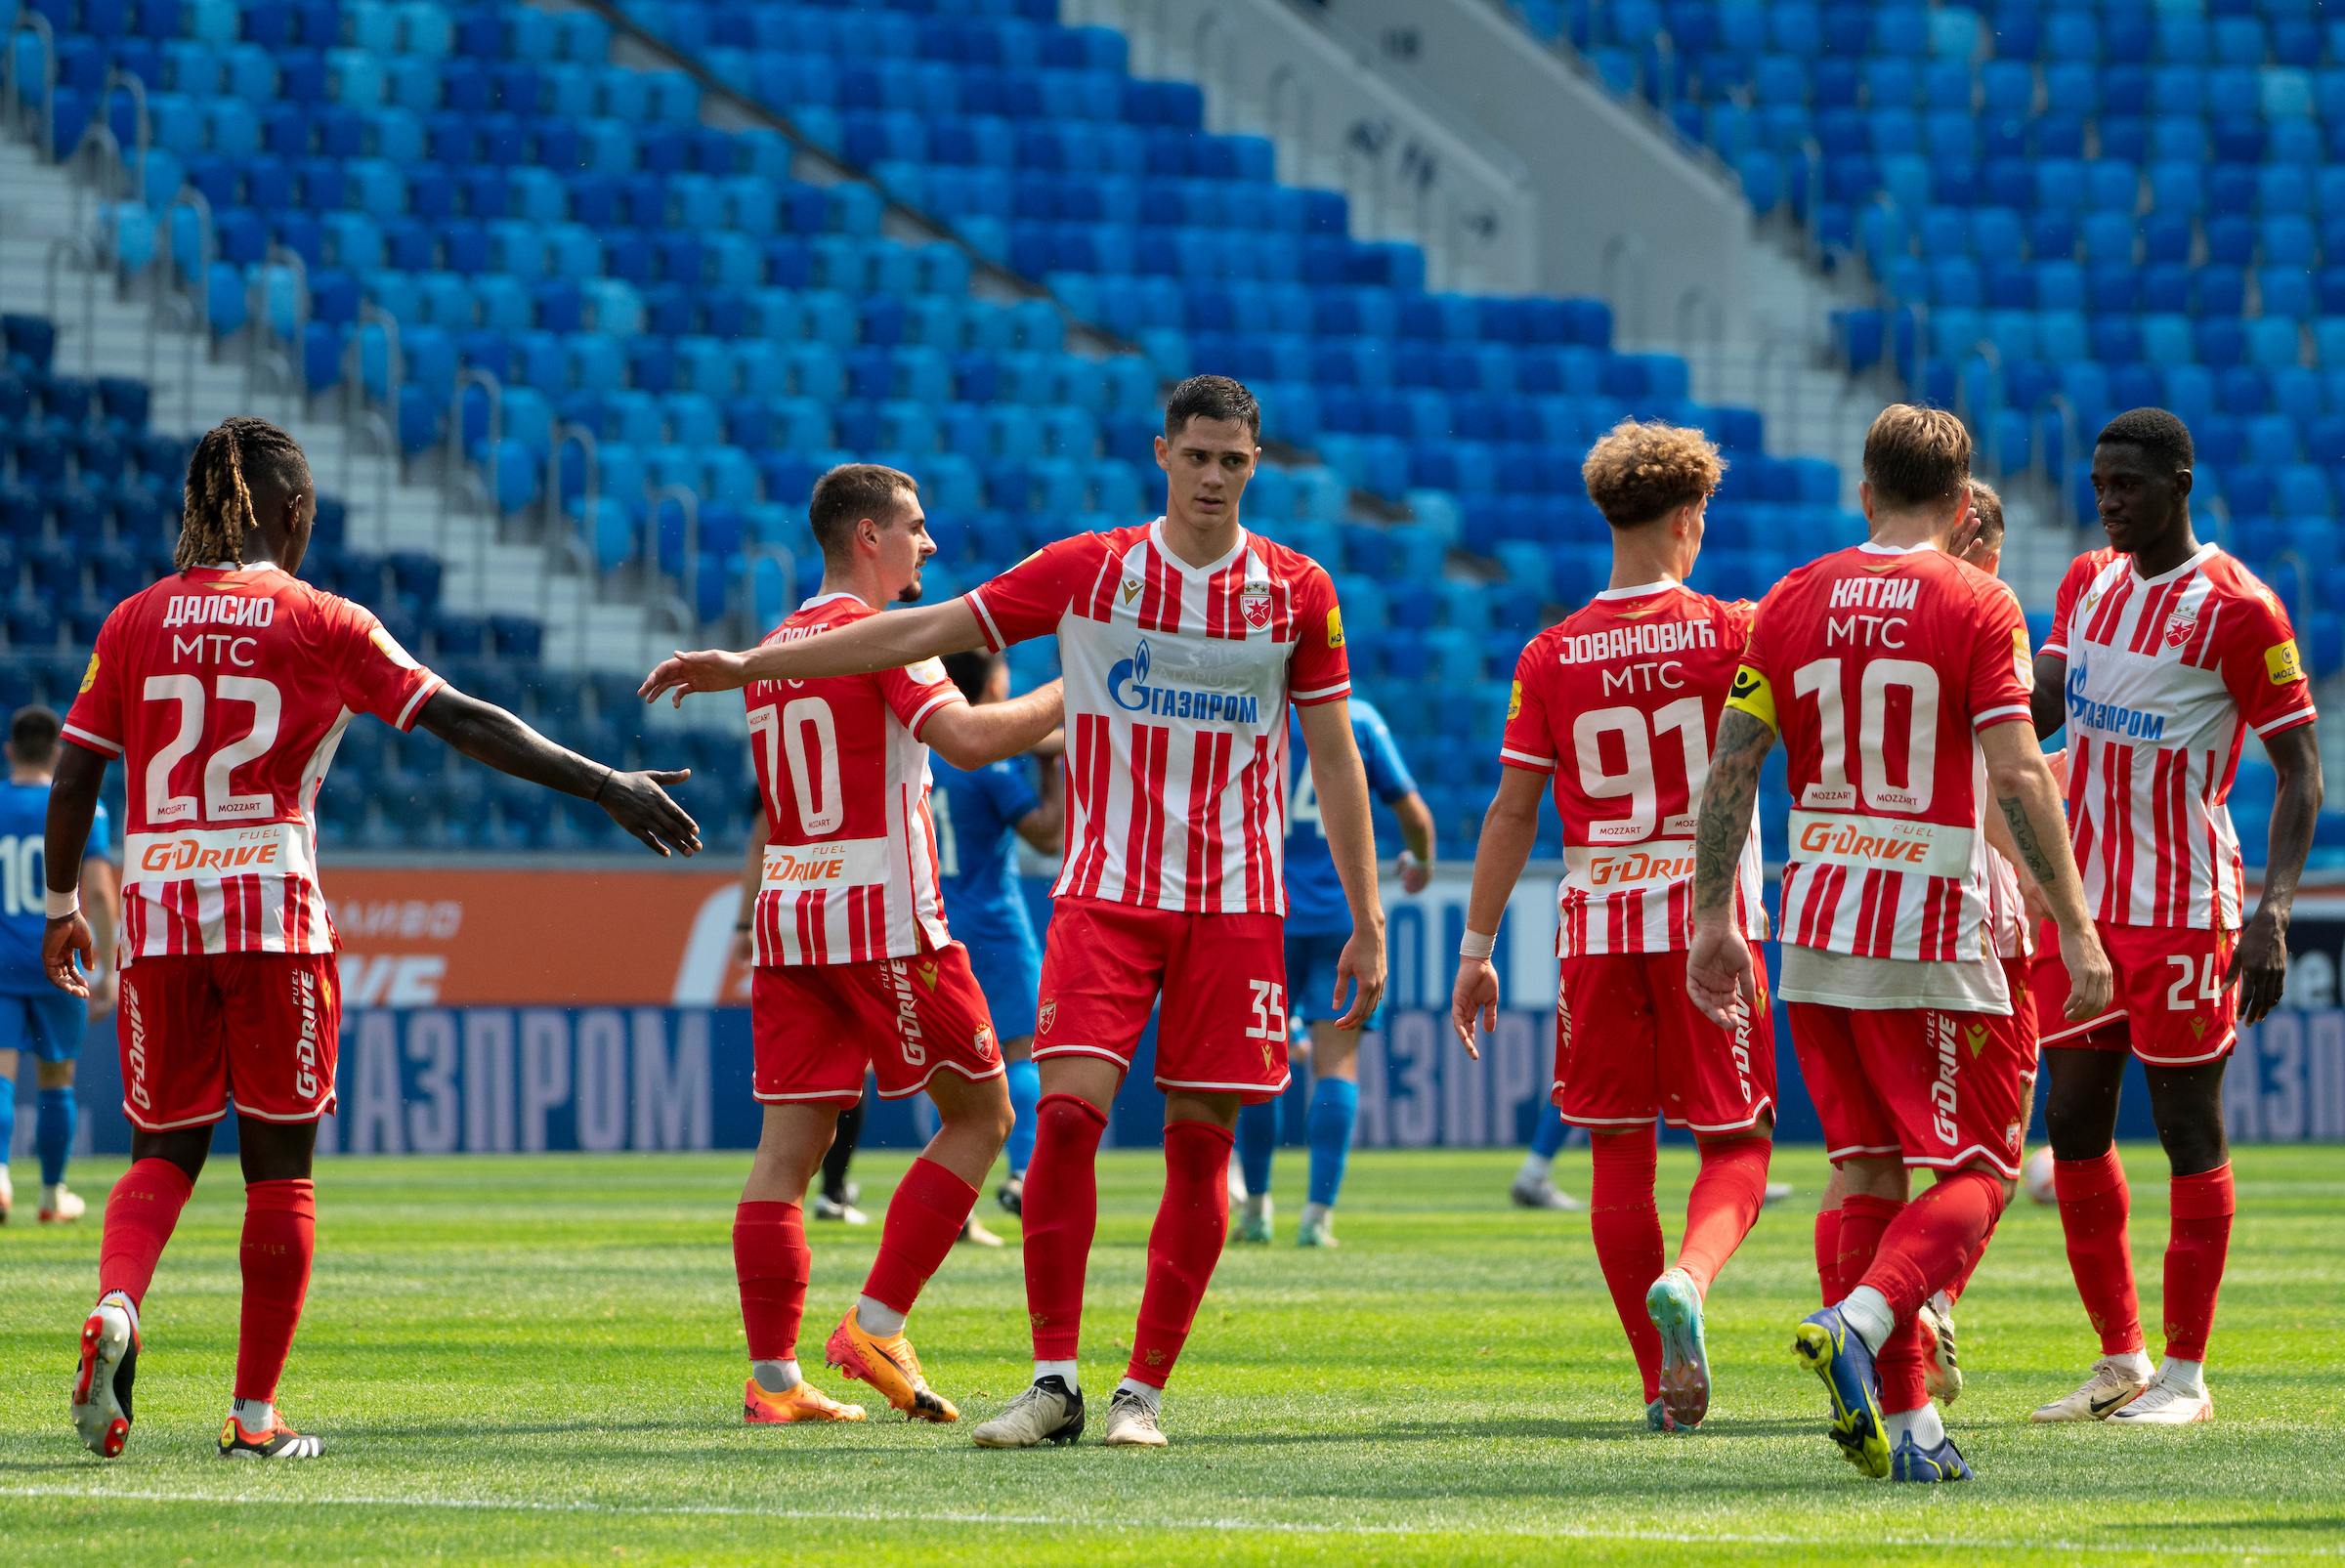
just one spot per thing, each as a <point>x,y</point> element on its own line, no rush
<point>1127,684</point>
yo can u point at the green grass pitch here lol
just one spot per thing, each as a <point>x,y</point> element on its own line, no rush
<point>540,1360</point>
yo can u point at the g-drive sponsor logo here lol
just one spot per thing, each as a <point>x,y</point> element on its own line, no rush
<point>1127,684</point>
<point>2128,723</point>
<point>305,998</point>
<point>1945,1099</point>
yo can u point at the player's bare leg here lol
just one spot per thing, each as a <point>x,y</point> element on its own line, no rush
<point>2080,1114</point>
<point>1727,1195</point>
<point>1335,1107</point>
<point>1025,1094</point>
<point>1062,1212</point>
<point>770,1264</point>
<point>924,1218</point>
<point>2187,1103</point>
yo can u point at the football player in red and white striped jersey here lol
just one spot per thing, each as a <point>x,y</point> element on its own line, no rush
<point>224,690</point>
<point>854,968</point>
<point>1183,641</point>
<point>2164,653</point>
<point>1618,704</point>
<point>1887,668</point>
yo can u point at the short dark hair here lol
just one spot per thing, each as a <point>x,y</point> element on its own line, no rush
<point>971,670</point>
<point>849,494</point>
<point>32,734</point>
<point>2164,438</point>
<point>1989,508</point>
<point>1915,456</point>
<point>1211,398</point>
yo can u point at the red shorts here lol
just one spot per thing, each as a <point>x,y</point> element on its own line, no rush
<point>1941,1089</point>
<point>2171,1007</point>
<point>1222,979</point>
<point>199,1028</point>
<point>2021,1026</point>
<point>816,1027</point>
<point>1640,1048</point>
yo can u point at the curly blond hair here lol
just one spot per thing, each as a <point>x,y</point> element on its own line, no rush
<point>1642,470</point>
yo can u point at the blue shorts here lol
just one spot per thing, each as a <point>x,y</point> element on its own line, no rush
<point>1010,971</point>
<point>1312,978</point>
<point>50,1026</point>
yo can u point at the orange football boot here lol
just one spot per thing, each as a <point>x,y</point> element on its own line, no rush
<point>889,1365</point>
<point>801,1403</point>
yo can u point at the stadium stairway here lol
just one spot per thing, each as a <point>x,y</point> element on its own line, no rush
<point>121,336</point>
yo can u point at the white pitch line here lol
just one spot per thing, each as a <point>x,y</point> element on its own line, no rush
<point>1233,1526</point>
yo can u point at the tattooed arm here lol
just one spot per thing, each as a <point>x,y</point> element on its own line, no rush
<point>1718,969</point>
<point>2029,802</point>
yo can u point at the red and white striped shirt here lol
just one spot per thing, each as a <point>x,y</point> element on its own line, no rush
<point>1879,666</point>
<point>2166,677</point>
<point>1620,701</point>
<point>1177,683</point>
<point>225,694</point>
<point>850,858</point>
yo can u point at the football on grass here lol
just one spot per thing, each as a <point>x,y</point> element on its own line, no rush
<point>2037,1177</point>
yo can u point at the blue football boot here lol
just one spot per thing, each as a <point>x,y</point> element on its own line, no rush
<point>1828,1348</point>
<point>1944,1463</point>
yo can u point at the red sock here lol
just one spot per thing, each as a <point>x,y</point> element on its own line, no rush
<point>2093,1205</point>
<point>772,1264</point>
<point>1625,1228</point>
<point>1863,1223</point>
<point>281,1236</point>
<point>1827,1254</point>
<point>1184,1246</point>
<point>1723,1205</point>
<point>1928,1245</point>
<point>1962,1279</point>
<point>2194,1252</point>
<point>1063,1211</point>
<point>923,1221</point>
<point>140,1214</point>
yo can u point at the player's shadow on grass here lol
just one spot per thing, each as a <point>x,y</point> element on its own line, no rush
<point>1596,1430</point>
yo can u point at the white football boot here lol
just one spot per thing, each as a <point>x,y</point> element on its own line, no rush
<point>2110,1389</point>
<point>2165,1403</point>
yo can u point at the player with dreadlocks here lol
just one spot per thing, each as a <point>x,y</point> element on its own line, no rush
<point>225,689</point>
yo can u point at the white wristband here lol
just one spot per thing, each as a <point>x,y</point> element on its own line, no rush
<point>61,905</point>
<point>1477,946</point>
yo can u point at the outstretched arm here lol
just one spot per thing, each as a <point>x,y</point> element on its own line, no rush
<point>1717,966</point>
<point>1509,832</point>
<point>2030,801</point>
<point>2260,962</point>
<point>1342,783</point>
<point>970,737</point>
<point>878,642</point>
<point>495,738</point>
<point>72,807</point>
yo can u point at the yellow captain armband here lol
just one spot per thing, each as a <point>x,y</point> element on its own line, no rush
<point>1751,693</point>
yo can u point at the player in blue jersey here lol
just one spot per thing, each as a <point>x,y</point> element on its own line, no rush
<point>979,817</point>
<point>34,1015</point>
<point>1318,924</point>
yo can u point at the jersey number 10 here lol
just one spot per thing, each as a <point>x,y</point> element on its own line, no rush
<point>813,780</point>
<point>1820,678</point>
<point>21,860</point>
